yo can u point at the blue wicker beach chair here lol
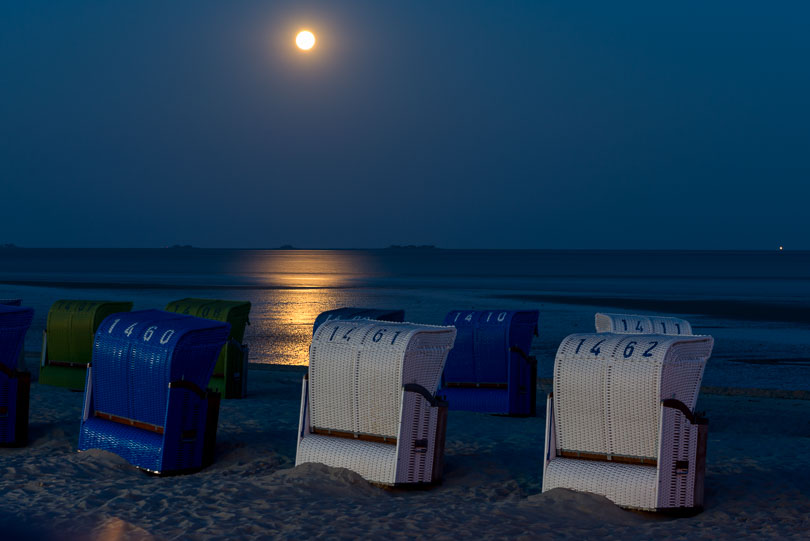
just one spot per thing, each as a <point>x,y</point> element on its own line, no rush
<point>489,369</point>
<point>14,384</point>
<point>344,314</point>
<point>145,396</point>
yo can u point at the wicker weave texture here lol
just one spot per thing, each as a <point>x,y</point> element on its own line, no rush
<point>230,376</point>
<point>138,447</point>
<point>624,484</point>
<point>235,313</point>
<point>608,389</point>
<point>14,324</point>
<point>350,313</point>
<point>636,324</point>
<point>373,461</point>
<point>356,372</point>
<point>72,324</point>
<point>608,392</point>
<point>136,356</point>
<point>356,375</point>
<point>483,356</point>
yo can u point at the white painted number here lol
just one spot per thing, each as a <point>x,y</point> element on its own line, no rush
<point>148,334</point>
<point>114,323</point>
<point>128,330</point>
<point>167,336</point>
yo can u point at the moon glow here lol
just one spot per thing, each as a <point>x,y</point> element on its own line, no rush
<point>305,40</point>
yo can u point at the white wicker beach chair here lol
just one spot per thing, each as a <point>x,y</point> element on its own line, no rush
<point>635,324</point>
<point>368,402</point>
<point>620,421</point>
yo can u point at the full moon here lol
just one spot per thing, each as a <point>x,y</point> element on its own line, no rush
<point>305,40</point>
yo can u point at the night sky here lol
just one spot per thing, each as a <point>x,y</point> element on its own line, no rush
<point>456,123</point>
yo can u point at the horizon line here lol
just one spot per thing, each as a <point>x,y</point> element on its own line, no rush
<point>402,248</point>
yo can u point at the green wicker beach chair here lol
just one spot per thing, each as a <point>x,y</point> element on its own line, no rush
<point>67,342</point>
<point>230,372</point>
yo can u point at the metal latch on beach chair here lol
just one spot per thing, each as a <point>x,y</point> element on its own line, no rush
<point>434,401</point>
<point>531,359</point>
<point>692,417</point>
<point>420,446</point>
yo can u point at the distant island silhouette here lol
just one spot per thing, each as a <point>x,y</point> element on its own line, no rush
<point>411,247</point>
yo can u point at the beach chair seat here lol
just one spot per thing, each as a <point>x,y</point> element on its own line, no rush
<point>231,371</point>
<point>620,420</point>
<point>146,397</point>
<point>15,384</point>
<point>368,402</point>
<point>67,342</point>
<point>489,369</point>
<point>348,313</point>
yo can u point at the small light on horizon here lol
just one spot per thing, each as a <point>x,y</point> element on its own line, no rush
<point>305,40</point>
<point>781,248</point>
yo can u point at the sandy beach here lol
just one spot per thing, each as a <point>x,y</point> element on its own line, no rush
<point>758,480</point>
<point>527,164</point>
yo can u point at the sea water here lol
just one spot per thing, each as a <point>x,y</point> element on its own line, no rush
<point>755,304</point>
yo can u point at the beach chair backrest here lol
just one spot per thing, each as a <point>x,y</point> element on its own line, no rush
<point>608,389</point>
<point>636,324</point>
<point>482,350</point>
<point>72,324</point>
<point>14,323</point>
<point>137,354</point>
<point>349,313</point>
<point>357,369</point>
<point>236,313</point>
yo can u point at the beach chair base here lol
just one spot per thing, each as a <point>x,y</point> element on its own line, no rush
<point>70,377</point>
<point>20,419</point>
<point>438,442</point>
<point>642,471</point>
<point>209,439</point>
